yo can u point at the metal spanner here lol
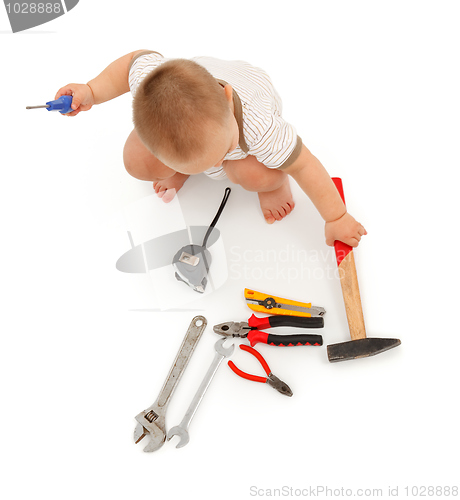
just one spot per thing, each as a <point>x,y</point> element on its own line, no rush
<point>181,430</point>
<point>152,420</point>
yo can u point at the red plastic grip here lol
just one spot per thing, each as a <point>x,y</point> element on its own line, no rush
<point>259,323</point>
<point>258,356</point>
<point>245,375</point>
<point>255,336</point>
<point>341,248</point>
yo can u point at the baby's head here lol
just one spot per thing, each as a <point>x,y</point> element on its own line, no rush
<point>184,116</point>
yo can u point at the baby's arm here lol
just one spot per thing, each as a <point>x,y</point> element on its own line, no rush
<point>111,83</point>
<point>312,177</point>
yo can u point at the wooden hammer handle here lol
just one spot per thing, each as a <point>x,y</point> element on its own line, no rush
<point>349,281</point>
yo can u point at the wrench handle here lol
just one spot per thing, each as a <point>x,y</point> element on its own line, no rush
<point>193,335</point>
<point>201,391</point>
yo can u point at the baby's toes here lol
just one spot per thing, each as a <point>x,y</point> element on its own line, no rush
<point>268,215</point>
<point>169,195</point>
<point>278,214</point>
<point>289,207</point>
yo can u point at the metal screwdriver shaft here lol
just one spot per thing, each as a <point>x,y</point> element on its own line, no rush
<point>63,105</point>
<point>36,107</point>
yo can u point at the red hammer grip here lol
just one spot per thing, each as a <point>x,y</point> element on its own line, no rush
<point>341,248</point>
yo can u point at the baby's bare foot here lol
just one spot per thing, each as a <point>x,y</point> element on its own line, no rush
<point>167,188</point>
<point>277,204</point>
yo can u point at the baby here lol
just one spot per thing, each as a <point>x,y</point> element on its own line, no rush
<point>221,118</point>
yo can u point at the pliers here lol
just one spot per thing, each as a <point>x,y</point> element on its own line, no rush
<point>271,379</point>
<point>251,330</point>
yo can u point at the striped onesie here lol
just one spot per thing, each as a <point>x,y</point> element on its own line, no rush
<point>263,132</point>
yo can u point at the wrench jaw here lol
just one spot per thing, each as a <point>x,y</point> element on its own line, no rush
<point>225,352</point>
<point>153,425</point>
<point>139,432</point>
<point>182,433</point>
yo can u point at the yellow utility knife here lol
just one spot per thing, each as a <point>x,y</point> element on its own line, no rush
<point>261,302</point>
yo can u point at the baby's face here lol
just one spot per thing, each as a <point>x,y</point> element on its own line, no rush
<point>222,140</point>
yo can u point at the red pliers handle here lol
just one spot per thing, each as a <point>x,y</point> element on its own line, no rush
<point>255,336</point>
<point>256,323</point>
<point>270,379</point>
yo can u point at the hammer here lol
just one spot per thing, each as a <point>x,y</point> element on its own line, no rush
<point>360,346</point>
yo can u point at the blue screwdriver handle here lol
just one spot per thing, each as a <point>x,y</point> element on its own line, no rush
<point>63,104</point>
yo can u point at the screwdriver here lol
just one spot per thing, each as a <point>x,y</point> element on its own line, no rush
<point>62,105</point>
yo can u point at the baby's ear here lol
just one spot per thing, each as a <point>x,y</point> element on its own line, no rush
<point>228,89</point>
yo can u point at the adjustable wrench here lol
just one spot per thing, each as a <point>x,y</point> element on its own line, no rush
<point>152,420</point>
<point>181,430</point>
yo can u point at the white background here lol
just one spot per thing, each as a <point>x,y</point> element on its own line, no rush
<point>373,90</point>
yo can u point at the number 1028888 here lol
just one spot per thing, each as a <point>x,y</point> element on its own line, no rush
<point>34,8</point>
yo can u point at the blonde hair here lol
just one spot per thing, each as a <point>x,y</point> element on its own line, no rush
<point>174,108</point>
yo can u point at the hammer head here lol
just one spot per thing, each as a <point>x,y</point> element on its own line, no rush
<point>361,348</point>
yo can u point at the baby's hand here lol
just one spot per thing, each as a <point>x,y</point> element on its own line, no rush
<point>345,229</point>
<point>82,97</point>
